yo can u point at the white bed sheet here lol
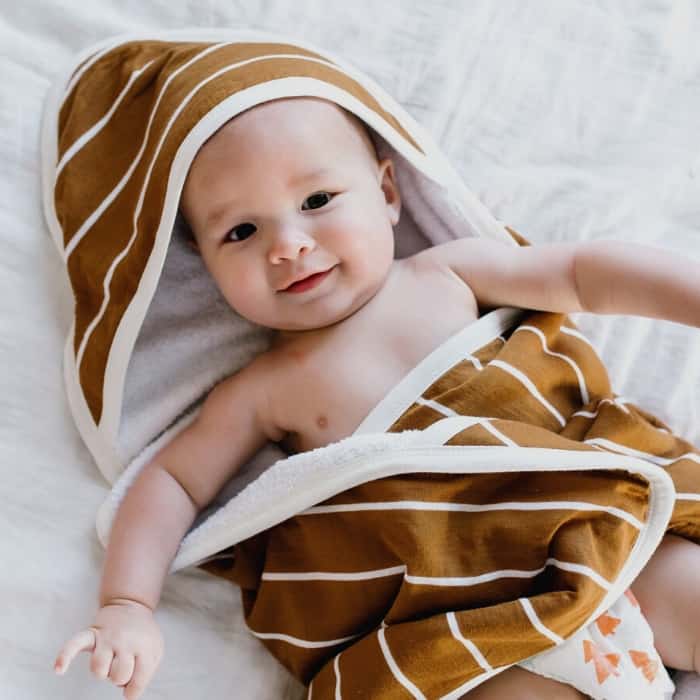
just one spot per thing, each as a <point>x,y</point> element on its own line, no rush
<point>570,120</point>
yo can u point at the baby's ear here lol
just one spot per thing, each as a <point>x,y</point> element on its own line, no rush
<point>390,188</point>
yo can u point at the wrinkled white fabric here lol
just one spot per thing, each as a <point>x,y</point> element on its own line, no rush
<point>571,121</point>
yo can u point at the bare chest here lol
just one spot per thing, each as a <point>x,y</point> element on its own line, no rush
<point>329,387</point>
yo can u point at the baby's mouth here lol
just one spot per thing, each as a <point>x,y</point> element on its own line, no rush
<point>308,282</point>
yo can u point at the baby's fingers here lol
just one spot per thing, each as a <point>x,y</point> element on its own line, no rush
<point>122,668</point>
<point>143,672</point>
<point>83,641</point>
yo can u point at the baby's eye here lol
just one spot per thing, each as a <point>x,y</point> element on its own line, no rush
<point>242,231</point>
<point>317,200</point>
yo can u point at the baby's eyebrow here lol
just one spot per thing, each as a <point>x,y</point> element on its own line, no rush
<point>319,172</point>
<point>220,210</point>
<point>217,213</point>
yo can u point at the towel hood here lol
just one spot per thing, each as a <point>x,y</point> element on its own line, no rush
<point>151,334</point>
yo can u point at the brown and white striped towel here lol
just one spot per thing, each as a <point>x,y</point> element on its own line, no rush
<point>530,504</point>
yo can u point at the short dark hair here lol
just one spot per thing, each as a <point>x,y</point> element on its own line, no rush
<point>182,228</point>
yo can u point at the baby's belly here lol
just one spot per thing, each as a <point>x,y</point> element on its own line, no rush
<point>328,419</point>
<point>333,403</point>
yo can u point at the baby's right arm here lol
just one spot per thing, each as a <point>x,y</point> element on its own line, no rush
<point>157,511</point>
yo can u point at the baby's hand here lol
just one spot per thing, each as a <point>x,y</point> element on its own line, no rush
<point>126,646</point>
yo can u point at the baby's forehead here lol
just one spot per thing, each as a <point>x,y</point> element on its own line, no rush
<point>312,109</point>
<point>308,114</point>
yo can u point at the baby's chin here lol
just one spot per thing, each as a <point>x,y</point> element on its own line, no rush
<point>312,324</point>
<point>303,323</point>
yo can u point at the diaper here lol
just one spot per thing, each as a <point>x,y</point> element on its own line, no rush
<point>613,658</point>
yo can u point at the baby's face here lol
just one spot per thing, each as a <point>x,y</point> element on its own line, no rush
<point>287,189</point>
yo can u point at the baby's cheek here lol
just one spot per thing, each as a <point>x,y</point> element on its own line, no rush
<point>239,287</point>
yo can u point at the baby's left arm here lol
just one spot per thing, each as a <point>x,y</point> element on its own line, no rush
<point>604,276</point>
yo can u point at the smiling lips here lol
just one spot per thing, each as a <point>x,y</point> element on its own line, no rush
<point>308,282</point>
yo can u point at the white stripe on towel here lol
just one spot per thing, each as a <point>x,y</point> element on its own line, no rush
<point>473,507</point>
<point>688,496</point>
<point>304,643</point>
<point>579,335</point>
<point>334,576</point>
<point>537,623</point>
<point>574,366</point>
<point>470,421</point>
<point>82,70</point>
<point>87,224</point>
<point>489,427</point>
<point>471,647</point>
<point>581,569</point>
<point>444,581</point>
<point>436,406</point>
<point>612,446</point>
<point>619,402</point>
<point>97,127</point>
<point>475,361</point>
<point>336,669</point>
<point>405,682</point>
<point>528,384</point>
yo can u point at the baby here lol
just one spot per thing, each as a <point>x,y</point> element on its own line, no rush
<point>293,216</point>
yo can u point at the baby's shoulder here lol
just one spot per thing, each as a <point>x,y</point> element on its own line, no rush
<point>250,390</point>
<point>461,249</point>
<point>478,261</point>
<point>438,261</point>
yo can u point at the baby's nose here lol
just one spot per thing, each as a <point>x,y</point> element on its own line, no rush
<point>288,243</point>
